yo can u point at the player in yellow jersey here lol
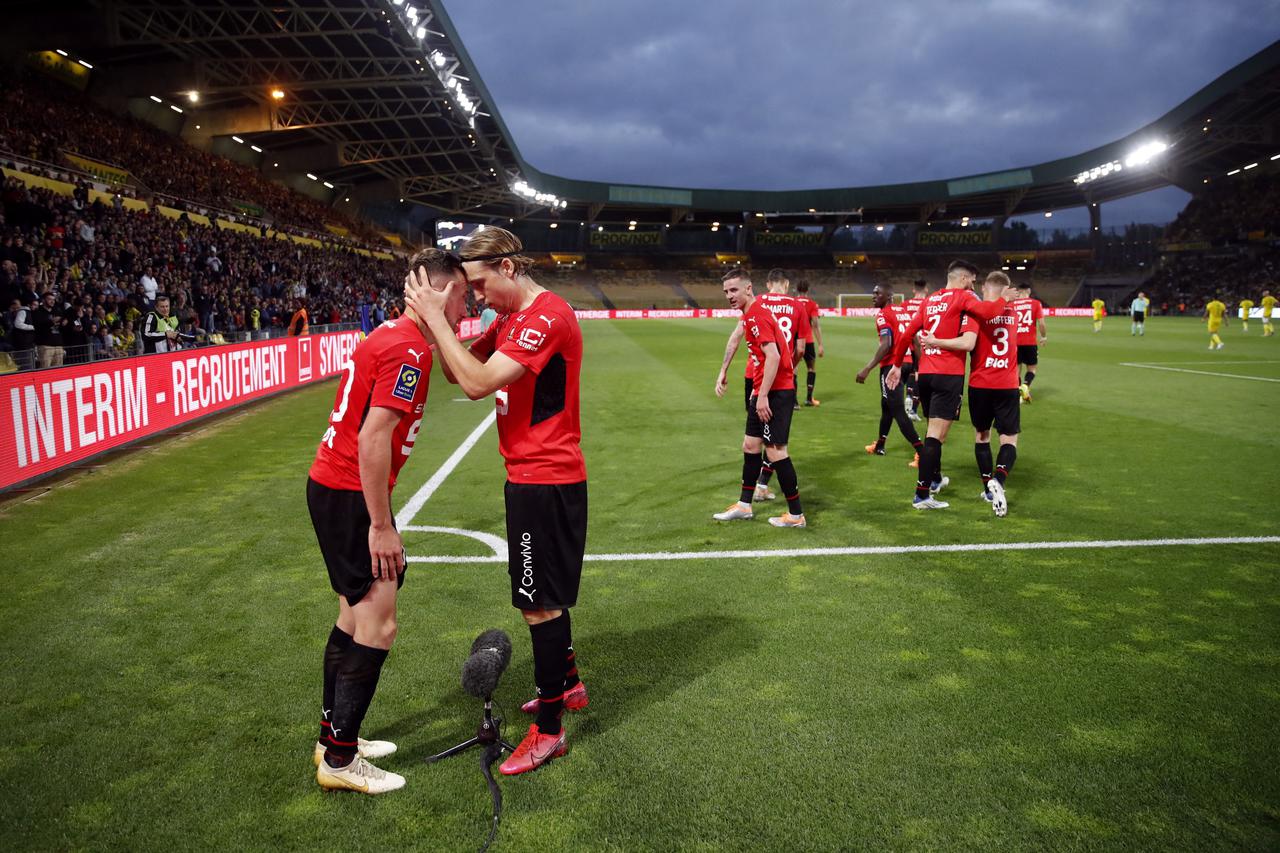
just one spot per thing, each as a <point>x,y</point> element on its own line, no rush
<point>1268,306</point>
<point>1216,312</point>
<point>1246,305</point>
<point>1099,311</point>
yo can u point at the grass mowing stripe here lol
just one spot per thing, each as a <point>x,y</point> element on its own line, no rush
<point>1200,372</point>
<point>411,508</point>
<point>884,549</point>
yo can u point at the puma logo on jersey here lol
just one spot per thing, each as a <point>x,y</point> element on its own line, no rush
<point>417,356</point>
<point>548,320</point>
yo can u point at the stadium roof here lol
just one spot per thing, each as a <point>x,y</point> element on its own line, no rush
<point>386,104</point>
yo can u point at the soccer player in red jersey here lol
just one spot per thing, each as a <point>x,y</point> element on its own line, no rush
<point>920,289</point>
<point>1031,334</point>
<point>815,334</point>
<point>771,405</point>
<point>794,323</point>
<point>891,321</point>
<point>793,320</point>
<point>941,372</point>
<point>993,388</point>
<point>530,359</point>
<point>372,429</point>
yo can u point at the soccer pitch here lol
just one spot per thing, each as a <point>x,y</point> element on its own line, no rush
<point>166,615</point>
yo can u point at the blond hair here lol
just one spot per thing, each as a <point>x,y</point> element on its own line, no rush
<point>492,240</point>
<point>998,277</point>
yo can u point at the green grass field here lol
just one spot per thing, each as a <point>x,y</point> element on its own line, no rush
<point>165,617</point>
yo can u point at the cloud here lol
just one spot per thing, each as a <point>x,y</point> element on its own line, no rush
<point>819,93</point>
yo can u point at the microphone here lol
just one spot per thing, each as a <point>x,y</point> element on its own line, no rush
<point>490,655</point>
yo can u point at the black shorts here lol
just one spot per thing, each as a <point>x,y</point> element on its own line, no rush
<point>810,354</point>
<point>885,393</point>
<point>1028,354</point>
<point>778,430</point>
<point>941,395</point>
<point>341,520</point>
<point>750,387</point>
<point>998,405</point>
<point>1139,317</point>
<point>546,538</point>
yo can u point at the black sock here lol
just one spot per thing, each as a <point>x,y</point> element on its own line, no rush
<point>1028,378</point>
<point>982,451</point>
<point>766,471</point>
<point>750,474</point>
<point>930,466</point>
<point>790,487</point>
<point>571,678</point>
<point>356,680</point>
<point>813,377</point>
<point>339,642</point>
<point>550,639</point>
<point>1004,461</point>
<point>886,423</point>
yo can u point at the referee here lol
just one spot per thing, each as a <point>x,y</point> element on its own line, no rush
<point>1139,310</point>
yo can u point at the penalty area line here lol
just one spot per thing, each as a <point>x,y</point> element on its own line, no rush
<point>662,556</point>
<point>1200,372</point>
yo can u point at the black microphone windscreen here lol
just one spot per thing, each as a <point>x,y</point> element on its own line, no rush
<point>490,655</point>
<point>497,640</point>
<point>480,675</point>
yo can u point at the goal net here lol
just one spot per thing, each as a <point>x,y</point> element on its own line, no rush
<point>862,300</point>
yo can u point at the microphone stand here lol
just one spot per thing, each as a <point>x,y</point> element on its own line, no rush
<point>489,736</point>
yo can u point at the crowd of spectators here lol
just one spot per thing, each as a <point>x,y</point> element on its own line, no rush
<point>1237,221</point>
<point>40,119</point>
<point>80,276</point>
<point>1183,284</point>
<point>1230,209</point>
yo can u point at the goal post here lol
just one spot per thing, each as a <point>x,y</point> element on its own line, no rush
<point>862,300</point>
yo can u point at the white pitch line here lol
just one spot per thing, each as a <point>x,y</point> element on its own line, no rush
<point>886,549</point>
<point>1213,361</point>
<point>1200,372</point>
<point>407,513</point>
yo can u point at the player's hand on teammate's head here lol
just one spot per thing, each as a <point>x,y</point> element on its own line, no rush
<point>421,294</point>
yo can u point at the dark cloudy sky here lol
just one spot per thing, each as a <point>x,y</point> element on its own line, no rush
<point>821,93</point>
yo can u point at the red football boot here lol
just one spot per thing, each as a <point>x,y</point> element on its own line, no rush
<point>575,699</point>
<point>534,751</point>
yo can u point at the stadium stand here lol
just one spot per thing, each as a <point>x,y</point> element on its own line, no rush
<point>92,257</point>
<point>43,121</point>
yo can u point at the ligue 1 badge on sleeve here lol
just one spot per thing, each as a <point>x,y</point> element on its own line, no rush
<point>407,382</point>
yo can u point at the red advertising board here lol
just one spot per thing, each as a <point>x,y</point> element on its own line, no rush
<point>58,417</point>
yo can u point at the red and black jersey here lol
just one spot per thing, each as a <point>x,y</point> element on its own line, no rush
<point>940,316</point>
<point>811,313</point>
<point>792,319</point>
<point>993,363</point>
<point>909,309</point>
<point>891,322</point>
<point>1029,312</point>
<point>539,433</point>
<point>760,327</point>
<point>391,369</point>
